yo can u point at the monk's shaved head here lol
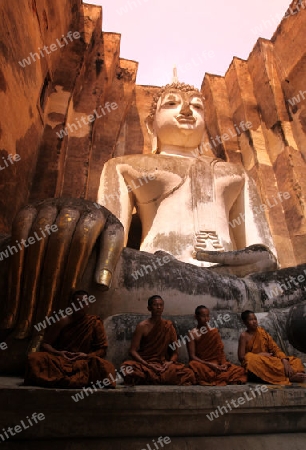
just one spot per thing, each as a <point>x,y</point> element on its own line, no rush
<point>198,309</point>
<point>152,298</point>
<point>245,314</point>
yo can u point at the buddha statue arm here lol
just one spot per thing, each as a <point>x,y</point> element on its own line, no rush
<point>250,233</point>
<point>116,195</point>
<point>247,220</point>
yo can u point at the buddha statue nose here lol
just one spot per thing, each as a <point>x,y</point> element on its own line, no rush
<point>186,110</point>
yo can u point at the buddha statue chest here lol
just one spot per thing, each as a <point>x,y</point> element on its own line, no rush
<point>184,204</point>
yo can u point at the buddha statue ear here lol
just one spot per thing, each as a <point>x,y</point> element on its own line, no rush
<point>201,146</point>
<point>154,141</point>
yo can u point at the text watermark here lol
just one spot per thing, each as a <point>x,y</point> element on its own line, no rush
<point>27,242</point>
<point>297,99</point>
<point>203,330</point>
<point>130,6</point>
<point>3,346</point>
<point>277,18</point>
<point>9,160</point>
<point>215,141</point>
<point>53,47</point>
<point>281,288</point>
<point>101,384</point>
<point>263,207</point>
<point>150,267</point>
<point>135,184</point>
<point>24,425</point>
<point>49,320</point>
<point>240,400</point>
<point>86,120</point>
<point>159,444</point>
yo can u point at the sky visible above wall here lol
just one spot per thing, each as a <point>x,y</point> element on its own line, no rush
<point>197,36</point>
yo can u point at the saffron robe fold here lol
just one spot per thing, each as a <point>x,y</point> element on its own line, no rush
<point>209,347</point>
<point>86,335</point>
<point>269,369</point>
<point>154,348</point>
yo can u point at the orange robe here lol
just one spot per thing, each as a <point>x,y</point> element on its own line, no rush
<point>154,348</point>
<point>86,335</point>
<point>209,347</point>
<point>269,369</point>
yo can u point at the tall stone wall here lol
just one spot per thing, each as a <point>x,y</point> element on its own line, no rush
<point>45,105</point>
<point>67,113</point>
<point>26,26</point>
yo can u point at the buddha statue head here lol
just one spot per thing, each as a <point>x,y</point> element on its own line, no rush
<point>176,120</point>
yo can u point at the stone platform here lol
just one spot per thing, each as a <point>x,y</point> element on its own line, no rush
<point>130,418</point>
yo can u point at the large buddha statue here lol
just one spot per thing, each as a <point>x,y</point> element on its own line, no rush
<point>185,199</point>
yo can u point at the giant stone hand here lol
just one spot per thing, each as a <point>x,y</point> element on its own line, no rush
<point>51,245</point>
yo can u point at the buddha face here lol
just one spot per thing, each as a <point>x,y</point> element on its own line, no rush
<point>179,119</point>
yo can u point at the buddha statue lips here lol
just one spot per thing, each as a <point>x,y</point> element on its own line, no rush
<point>187,207</point>
<point>184,119</point>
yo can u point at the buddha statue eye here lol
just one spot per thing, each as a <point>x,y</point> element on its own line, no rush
<point>197,105</point>
<point>171,103</point>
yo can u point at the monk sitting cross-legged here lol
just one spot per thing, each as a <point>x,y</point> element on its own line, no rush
<point>154,362</point>
<point>73,349</point>
<point>207,357</point>
<point>261,356</point>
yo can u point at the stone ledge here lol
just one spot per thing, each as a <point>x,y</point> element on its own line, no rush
<point>290,441</point>
<point>130,412</point>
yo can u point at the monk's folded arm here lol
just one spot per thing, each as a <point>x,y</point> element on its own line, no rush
<point>135,345</point>
<point>48,348</point>
<point>136,356</point>
<point>191,349</point>
<point>172,354</point>
<point>220,350</point>
<point>202,361</point>
<point>192,352</point>
<point>101,353</point>
<point>99,343</point>
<point>241,347</point>
<point>51,336</point>
<point>173,357</point>
<point>222,361</point>
<point>274,348</point>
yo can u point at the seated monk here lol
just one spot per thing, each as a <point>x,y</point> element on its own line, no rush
<point>154,362</point>
<point>260,355</point>
<point>73,349</point>
<point>207,357</point>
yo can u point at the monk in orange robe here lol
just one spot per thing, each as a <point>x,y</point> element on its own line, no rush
<point>74,348</point>
<point>261,356</point>
<point>153,360</point>
<point>207,357</point>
